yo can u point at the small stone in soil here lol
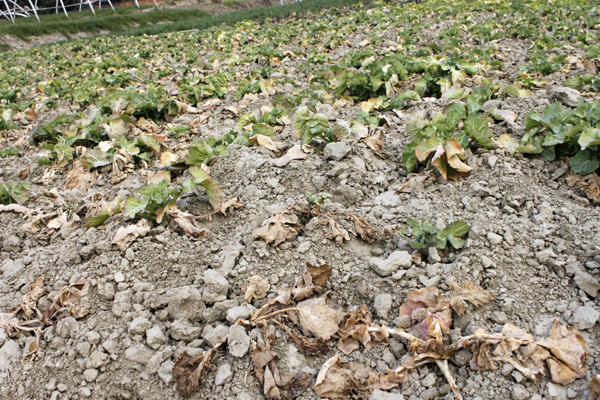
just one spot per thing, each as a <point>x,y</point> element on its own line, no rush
<point>238,341</point>
<point>223,374</point>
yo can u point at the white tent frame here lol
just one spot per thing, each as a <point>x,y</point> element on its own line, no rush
<point>11,9</point>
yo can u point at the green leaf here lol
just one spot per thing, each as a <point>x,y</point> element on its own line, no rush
<point>589,137</point>
<point>457,243</point>
<point>585,162</point>
<point>96,158</point>
<point>203,153</point>
<point>477,127</point>
<point>212,187</point>
<point>134,205</point>
<point>457,229</point>
<point>14,192</point>
<point>263,129</point>
<point>409,158</point>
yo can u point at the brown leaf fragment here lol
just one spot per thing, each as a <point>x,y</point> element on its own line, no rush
<point>357,329</point>
<point>233,203</point>
<point>188,370</point>
<point>278,229</point>
<point>319,317</point>
<point>334,381</point>
<point>420,298</point>
<point>186,222</point>
<point>28,305</point>
<point>344,381</point>
<point>266,142</point>
<point>365,230</point>
<point>255,287</point>
<point>468,293</point>
<point>336,231</point>
<point>319,273</point>
<point>295,153</point>
<point>569,352</point>
<point>16,208</point>
<point>589,183</point>
<point>594,387</point>
<point>71,300</point>
<point>413,181</point>
<point>79,178</point>
<point>127,234</point>
<point>375,142</point>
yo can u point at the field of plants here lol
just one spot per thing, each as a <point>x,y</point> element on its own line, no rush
<point>376,201</point>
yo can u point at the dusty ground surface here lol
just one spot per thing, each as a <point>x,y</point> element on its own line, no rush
<point>534,243</point>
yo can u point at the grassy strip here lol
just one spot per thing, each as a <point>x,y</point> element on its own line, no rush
<point>255,14</point>
<point>104,20</point>
<point>156,21</point>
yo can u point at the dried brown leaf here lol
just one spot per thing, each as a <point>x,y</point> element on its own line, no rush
<point>295,153</point>
<point>186,222</point>
<point>319,317</point>
<point>28,305</point>
<point>278,228</point>
<point>79,178</point>
<point>188,370</point>
<point>365,230</point>
<point>334,381</point>
<point>71,300</point>
<point>357,329</point>
<point>413,181</point>
<point>16,208</point>
<point>569,352</point>
<point>594,387</point>
<point>420,298</point>
<point>255,287</point>
<point>319,273</point>
<point>266,142</point>
<point>336,231</point>
<point>468,293</point>
<point>127,234</point>
<point>589,183</point>
<point>375,142</point>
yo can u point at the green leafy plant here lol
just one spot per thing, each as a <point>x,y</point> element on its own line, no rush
<point>422,235</point>
<point>316,199</point>
<point>9,151</point>
<point>310,127</point>
<point>13,192</point>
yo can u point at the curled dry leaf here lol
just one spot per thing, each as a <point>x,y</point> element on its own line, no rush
<point>266,142</point>
<point>569,352</point>
<point>79,178</point>
<point>357,329</point>
<point>375,142</point>
<point>71,300</point>
<point>365,230</point>
<point>278,228</point>
<point>468,293</point>
<point>319,273</point>
<point>589,183</point>
<point>319,317</point>
<point>186,222</point>
<point>295,153</point>
<point>189,370</point>
<point>413,181</point>
<point>594,387</point>
<point>255,287</point>
<point>127,234</point>
<point>16,208</point>
<point>336,231</point>
<point>344,381</point>
<point>28,306</point>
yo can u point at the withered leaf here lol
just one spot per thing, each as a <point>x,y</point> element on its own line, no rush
<point>334,381</point>
<point>78,177</point>
<point>295,153</point>
<point>186,222</point>
<point>255,287</point>
<point>468,293</point>
<point>266,142</point>
<point>420,298</point>
<point>569,352</point>
<point>278,229</point>
<point>319,317</point>
<point>71,300</point>
<point>357,329</point>
<point>127,234</point>
<point>365,230</point>
<point>16,208</point>
<point>413,181</point>
<point>336,231</point>
<point>375,142</point>
<point>589,183</point>
<point>594,387</point>
<point>319,273</point>
<point>28,305</point>
<point>189,370</point>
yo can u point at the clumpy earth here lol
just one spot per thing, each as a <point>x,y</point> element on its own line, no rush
<point>533,243</point>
